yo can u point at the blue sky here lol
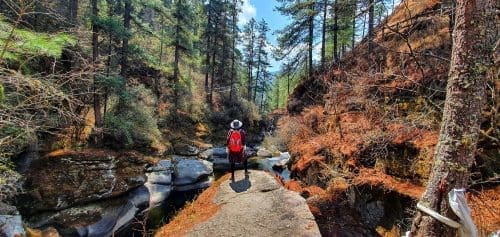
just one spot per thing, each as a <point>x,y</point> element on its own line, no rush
<point>259,9</point>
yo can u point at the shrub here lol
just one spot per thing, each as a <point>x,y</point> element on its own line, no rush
<point>130,121</point>
<point>241,109</point>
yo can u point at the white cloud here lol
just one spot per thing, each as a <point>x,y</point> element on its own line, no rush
<point>247,12</point>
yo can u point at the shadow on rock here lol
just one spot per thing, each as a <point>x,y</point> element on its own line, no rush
<point>241,185</point>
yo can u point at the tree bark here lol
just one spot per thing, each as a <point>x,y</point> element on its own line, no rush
<point>127,17</point>
<point>277,93</point>
<point>177,54</point>
<point>353,25</point>
<point>323,34</point>
<point>73,11</point>
<point>212,77</point>
<point>262,101</point>
<point>207,53</point>
<point>233,50</point>
<point>257,77</point>
<point>461,119</point>
<point>95,56</point>
<point>250,63</point>
<point>371,8</point>
<point>335,31</point>
<point>364,27</point>
<point>108,60</point>
<point>310,41</point>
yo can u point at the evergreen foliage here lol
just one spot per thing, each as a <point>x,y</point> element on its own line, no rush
<point>24,43</point>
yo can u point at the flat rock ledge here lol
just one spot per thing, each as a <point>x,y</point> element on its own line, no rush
<point>256,205</point>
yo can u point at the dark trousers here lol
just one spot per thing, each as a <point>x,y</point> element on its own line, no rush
<point>237,157</point>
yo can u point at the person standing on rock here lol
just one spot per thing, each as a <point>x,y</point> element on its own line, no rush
<point>236,146</point>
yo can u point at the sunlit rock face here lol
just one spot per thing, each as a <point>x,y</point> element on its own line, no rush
<point>101,193</point>
<point>159,182</point>
<point>190,174</point>
<point>60,181</point>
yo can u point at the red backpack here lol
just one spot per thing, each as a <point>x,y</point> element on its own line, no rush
<point>235,144</point>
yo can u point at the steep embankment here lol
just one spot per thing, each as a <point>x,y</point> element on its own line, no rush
<point>365,140</point>
<point>252,205</point>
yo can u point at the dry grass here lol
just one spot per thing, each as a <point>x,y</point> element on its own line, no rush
<point>376,178</point>
<point>411,8</point>
<point>294,185</point>
<point>389,98</point>
<point>85,153</point>
<point>200,210</point>
<point>485,206</point>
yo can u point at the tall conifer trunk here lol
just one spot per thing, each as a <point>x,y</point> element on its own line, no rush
<point>233,56</point>
<point>323,34</point>
<point>371,9</point>
<point>355,6</point>
<point>458,138</point>
<point>177,53</point>
<point>95,57</point>
<point>127,17</point>
<point>310,41</point>
<point>335,31</point>
<point>208,63</point>
<point>73,11</point>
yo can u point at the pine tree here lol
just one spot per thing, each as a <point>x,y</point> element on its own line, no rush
<point>323,33</point>
<point>182,40</point>
<point>208,47</point>
<point>459,134</point>
<point>95,57</point>
<point>300,31</point>
<point>335,13</point>
<point>234,38</point>
<point>127,17</point>
<point>249,37</point>
<point>371,9</point>
<point>262,56</point>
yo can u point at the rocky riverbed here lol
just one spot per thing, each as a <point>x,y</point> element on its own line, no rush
<point>101,192</point>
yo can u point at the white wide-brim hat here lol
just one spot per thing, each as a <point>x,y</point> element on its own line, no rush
<point>236,124</point>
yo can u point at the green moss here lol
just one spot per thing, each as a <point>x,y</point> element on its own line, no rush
<point>2,94</point>
<point>26,42</point>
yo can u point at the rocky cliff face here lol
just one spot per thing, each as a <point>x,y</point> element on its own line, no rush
<point>100,192</point>
<point>59,181</point>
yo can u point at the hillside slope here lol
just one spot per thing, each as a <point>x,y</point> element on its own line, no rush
<point>371,123</point>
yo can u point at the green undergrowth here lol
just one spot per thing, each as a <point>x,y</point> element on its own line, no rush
<point>24,43</point>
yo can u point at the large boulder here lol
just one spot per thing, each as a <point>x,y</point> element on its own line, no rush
<point>65,179</point>
<point>159,182</point>
<point>188,172</point>
<point>207,154</point>
<point>257,200</point>
<point>104,217</point>
<point>186,150</point>
<point>89,220</point>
